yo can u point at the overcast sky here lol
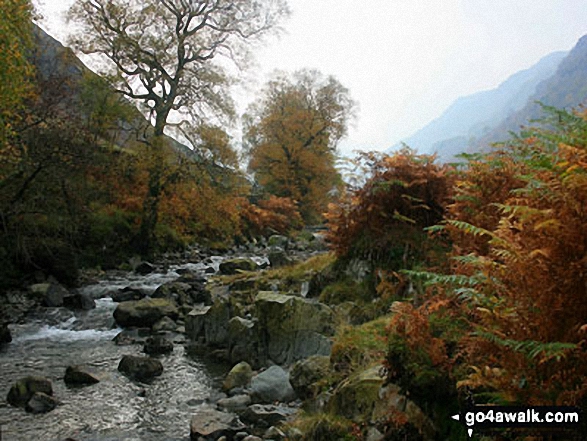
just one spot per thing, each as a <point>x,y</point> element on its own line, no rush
<point>405,61</point>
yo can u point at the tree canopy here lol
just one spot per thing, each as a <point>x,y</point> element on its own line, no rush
<point>291,134</point>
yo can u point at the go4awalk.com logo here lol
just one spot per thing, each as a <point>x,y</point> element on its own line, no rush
<point>486,418</point>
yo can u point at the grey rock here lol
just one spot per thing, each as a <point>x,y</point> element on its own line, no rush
<point>41,403</point>
<point>54,295</point>
<point>165,324</point>
<point>131,336</point>
<point>79,300</point>
<point>157,345</point>
<point>239,376</point>
<point>274,433</point>
<point>143,369</point>
<point>23,390</point>
<point>278,258</point>
<point>144,268</point>
<point>266,415</point>
<point>234,266</point>
<point>278,240</point>
<point>305,373</point>
<point>293,328</point>
<point>127,294</point>
<point>211,424</point>
<point>77,376</point>
<point>145,312</point>
<point>194,322</point>
<point>236,403</point>
<point>272,385</point>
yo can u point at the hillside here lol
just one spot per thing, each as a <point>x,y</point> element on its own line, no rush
<point>474,115</point>
<point>567,88</point>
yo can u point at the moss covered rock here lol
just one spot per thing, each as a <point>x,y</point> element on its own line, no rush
<point>292,328</point>
<point>23,390</point>
<point>145,312</point>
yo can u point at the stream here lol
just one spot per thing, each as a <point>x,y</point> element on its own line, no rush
<point>116,408</point>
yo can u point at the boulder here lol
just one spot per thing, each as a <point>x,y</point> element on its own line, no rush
<point>184,293</point>
<point>77,376</point>
<point>237,403</point>
<point>131,336</point>
<point>23,390</point>
<point>211,424</point>
<point>275,434</point>
<point>143,369</point>
<point>239,376</point>
<point>272,385</point>
<point>305,373</point>
<point>5,336</point>
<point>157,345</point>
<point>267,415</point>
<point>145,312</point>
<point>293,328</point>
<point>194,322</point>
<point>244,342</point>
<point>216,322</point>
<point>278,240</point>
<point>355,398</point>
<point>79,300</point>
<point>234,266</point>
<point>165,324</point>
<point>41,403</point>
<point>127,294</point>
<point>278,258</point>
<point>53,293</point>
<point>144,268</point>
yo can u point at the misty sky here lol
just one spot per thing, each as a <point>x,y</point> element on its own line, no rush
<point>405,61</point>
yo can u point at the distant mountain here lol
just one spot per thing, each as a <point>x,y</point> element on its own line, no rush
<point>567,88</point>
<point>474,116</point>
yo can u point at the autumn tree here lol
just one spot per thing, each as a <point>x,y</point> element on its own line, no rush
<point>164,55</point>
<point>15,70</point>
<point>291,134</point>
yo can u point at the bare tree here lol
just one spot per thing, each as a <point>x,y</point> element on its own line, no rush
<point>165,54</point>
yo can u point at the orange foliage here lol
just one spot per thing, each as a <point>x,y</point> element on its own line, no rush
<point>272,215</point>
<point>384,219</point>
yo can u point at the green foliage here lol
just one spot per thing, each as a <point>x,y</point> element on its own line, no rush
<point>324,427</point>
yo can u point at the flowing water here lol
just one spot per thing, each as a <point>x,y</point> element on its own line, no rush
<point>116,408</point>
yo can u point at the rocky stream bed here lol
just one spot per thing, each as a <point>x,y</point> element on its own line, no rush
<point>189,336</point>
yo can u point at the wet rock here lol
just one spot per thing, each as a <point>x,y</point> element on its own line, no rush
<point>305,373</point>
<point>127,294</point>
<point>144,268</point>
<point>5,336</point>
<point>234,266</point>
<point>293,328</point>
<point>79,300</point>
<point>216,322</point>
<point>266,415</point>
<point>165,324</point>
<point>41,403</point>
<point>252,438</point>
<point>77,376</point>
<point>239,376</point>
<point>272,385</point>
<point>23,390</point>
<point>53,294</point>
<point>131,336</point>
<point>183,292</point>
<point>236,403</point>
<point>143,369</point>
<point>157,345</point>
<point>145,312</point>
<point>211,424</point>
